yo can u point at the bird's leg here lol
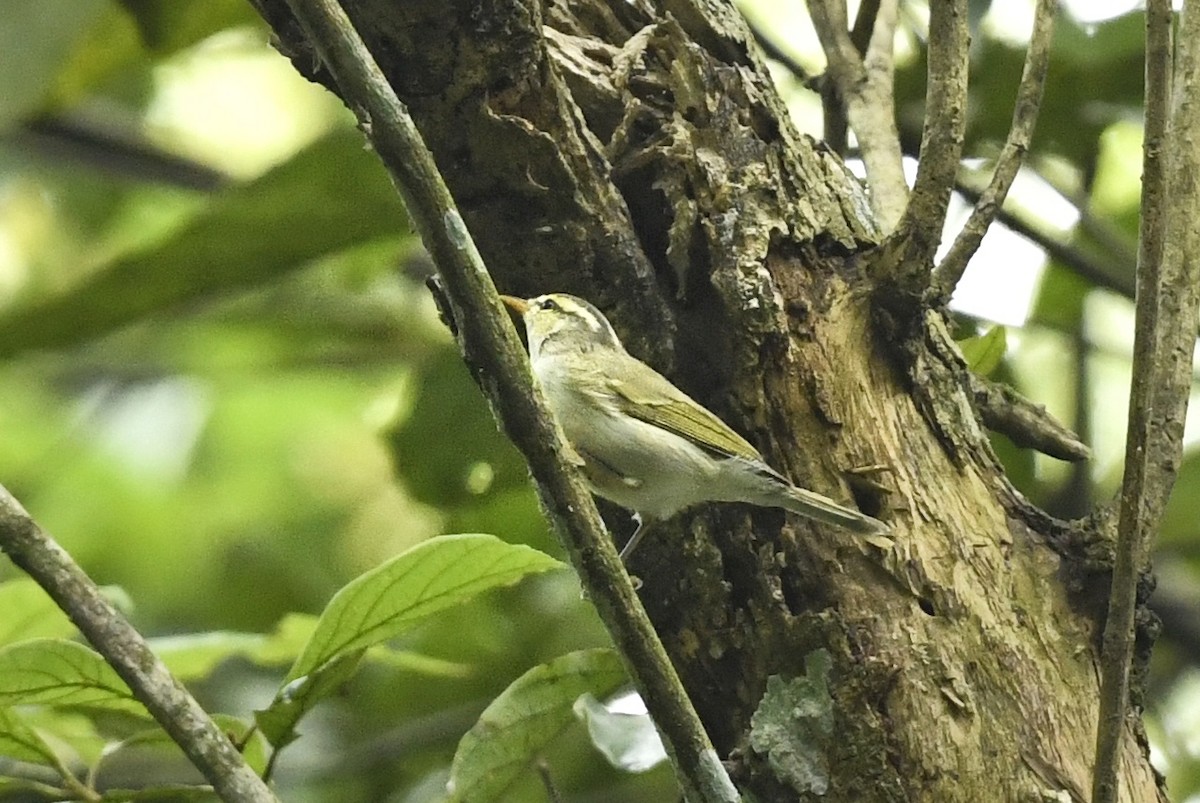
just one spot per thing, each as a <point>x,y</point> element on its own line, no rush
<point>632,543</point>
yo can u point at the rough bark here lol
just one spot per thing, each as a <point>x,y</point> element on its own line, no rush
<point>637,154</point>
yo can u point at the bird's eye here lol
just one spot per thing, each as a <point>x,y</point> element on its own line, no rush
<point>550,304</point>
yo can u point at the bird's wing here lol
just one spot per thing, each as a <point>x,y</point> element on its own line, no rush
<point>648,396</point>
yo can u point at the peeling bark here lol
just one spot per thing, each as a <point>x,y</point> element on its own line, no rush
<point>637,154</point>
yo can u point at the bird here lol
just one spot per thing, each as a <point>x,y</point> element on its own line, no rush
<point>640,441</point>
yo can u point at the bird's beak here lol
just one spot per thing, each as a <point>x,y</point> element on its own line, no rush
<point>517,305</point>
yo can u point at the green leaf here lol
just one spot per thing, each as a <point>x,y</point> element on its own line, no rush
<point>30,613</point>
<point>393,597</point>
<point>1059,302</point>
<point>36,43</point>
<point>248,235</point>
<point>196,655</point>
<point>177,793</point>
<point>278,721</point>
<point>20,742</point>
<point>985,352</point>
<point>73,733</point>
<point>793,724</point>
<point>57,672</point>
<point>525,718</point>
<point>144,743</point>
<point>169,26</point>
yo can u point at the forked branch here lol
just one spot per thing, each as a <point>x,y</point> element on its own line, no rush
<point>1025,113</point>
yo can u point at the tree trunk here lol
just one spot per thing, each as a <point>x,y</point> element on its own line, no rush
<point>637,154</point>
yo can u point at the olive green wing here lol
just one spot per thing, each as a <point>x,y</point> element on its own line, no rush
<point>643,393</point>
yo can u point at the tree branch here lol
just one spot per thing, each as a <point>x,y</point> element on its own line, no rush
<point>488,339</point>
<point>1025,423</point>
<point>1168,273</point>
<point>205,744</point>
<point>915,240</point>
<point>1102,270</point>
<point>865,83</point>
<point>1025,113</point>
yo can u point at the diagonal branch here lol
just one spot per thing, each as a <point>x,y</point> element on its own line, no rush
<point>204,743</point>
<point>487,339</point>
<point>915,240</point>
<point>1025,112</point>
<point>1168,292</point>
<point>865,83</point>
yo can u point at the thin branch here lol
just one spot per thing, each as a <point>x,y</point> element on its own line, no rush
<point>865,83</point>
<point>776,53</point>
<point>1102,270</point>
<point>1025,113</point>
<point>915,240</point>
<point>205,744</point>
<point>1168,273</point>
<point>1025,423</point>
<point>1109,270</point>
<point>487,338</point>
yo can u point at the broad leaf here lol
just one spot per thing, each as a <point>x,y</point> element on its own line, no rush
<point>525,718</point>
<point>984,352</point>
<point>20,742</point>
<point>56,672</point>
<point>432,576</point>
<point>30,613</point>
<point>248,235</point>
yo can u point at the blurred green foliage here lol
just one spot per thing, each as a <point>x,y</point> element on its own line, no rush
<point>228,397</point>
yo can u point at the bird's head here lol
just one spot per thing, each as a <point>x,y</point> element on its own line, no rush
<point>557,323</point>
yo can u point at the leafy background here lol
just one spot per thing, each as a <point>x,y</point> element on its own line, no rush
<point>224,389</point>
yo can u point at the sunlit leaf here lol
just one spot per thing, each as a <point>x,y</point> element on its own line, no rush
<point>432,576</point>
<point>56,672</point>
<point>75,730</point>
<point>30,613</point>
<point>20,742</point>
<point>984,352</point>
<point>525,718</point>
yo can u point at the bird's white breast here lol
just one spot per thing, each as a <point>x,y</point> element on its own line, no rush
<point>664,472</point>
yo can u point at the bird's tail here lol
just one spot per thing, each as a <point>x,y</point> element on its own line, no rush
<point>815,506</point>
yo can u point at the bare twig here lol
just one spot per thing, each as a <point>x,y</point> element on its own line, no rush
<point>865,83</point>
<point>1168,273</point>
<point>205,744</point>
<point>1025,423</point>
<point>1105,270</point>
<point>1025,112</point>
<point>776,53</point>
<point>915,240</point>
<point>487,339</point>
